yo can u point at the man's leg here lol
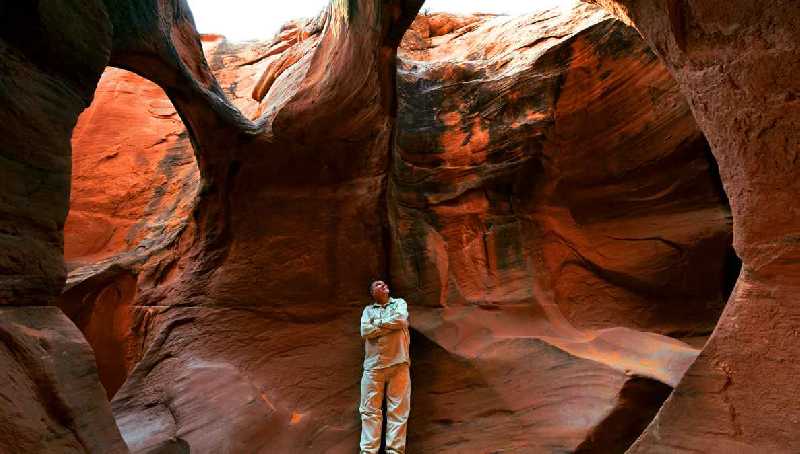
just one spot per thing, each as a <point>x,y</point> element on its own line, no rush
<point>372,384</point>
<point>398,405</point>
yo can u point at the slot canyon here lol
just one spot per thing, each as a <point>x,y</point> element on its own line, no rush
<point>590,209</point>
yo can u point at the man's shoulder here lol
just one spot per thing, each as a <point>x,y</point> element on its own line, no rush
<point>398,301</point>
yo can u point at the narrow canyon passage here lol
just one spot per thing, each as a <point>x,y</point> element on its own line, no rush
<point>530,209</point>
<point>542,189</point>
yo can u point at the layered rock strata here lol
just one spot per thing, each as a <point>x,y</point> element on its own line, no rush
<point>483,190</point>
<point>50,396</point>
<point>555,151</point>
<point>736,62</point>
<point>550,195</point>
<point>245,321</point>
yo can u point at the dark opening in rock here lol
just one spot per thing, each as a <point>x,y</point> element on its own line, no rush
<point>639,400</point>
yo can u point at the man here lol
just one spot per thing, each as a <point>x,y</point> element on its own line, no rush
<point>384,328</point>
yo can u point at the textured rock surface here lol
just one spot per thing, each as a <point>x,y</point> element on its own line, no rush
<point>48,404</point>
<point>134,184</point>
<point>556,150</point>
<point>548,176</point>
<point>134,176</point>
<point>496,203</point>
<point>240,329</point>
<point>51,55</point>
<point>44,88</point>
<point>252,343</point>
<point>737,63</point>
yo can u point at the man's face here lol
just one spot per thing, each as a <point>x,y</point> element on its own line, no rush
<point>380,292</point>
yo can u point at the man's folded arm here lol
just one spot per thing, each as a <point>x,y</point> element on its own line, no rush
<point>399,319</point>
<point>369,330</point>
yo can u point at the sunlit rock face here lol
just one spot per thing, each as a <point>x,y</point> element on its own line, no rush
<point>550,192</point>
<point>134,185</point>
<point>134,175</point>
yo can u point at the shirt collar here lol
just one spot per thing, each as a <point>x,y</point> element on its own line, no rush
<point>391,300</point>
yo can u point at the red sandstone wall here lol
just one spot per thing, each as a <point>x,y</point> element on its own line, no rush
<point>737,64</point>
<point>549,190</point>
<point>482,215</point>
<point>50,397</point>
<point>225,322</point>
<point>134,175</point>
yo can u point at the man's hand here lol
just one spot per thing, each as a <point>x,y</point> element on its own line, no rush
<point>372,327</point>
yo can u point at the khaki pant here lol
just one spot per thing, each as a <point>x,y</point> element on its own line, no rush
<point>397,383</point>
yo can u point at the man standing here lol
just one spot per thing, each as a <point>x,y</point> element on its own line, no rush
<point>384,328</point>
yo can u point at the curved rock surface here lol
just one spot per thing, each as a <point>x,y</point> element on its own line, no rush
<point>488,194</point>
<point>134,185</point>
<point>558,149</point>
<point>737,62</point>
<point>549,192</point>
<point>252,343</point>
<point>134,175</point>
<point>494,203</point>
<point>50,397</point>
<point>53,54</point>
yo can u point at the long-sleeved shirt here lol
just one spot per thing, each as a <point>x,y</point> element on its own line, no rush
<point>385,333</point>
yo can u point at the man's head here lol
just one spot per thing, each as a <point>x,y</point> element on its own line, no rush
<point>380,292</point>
